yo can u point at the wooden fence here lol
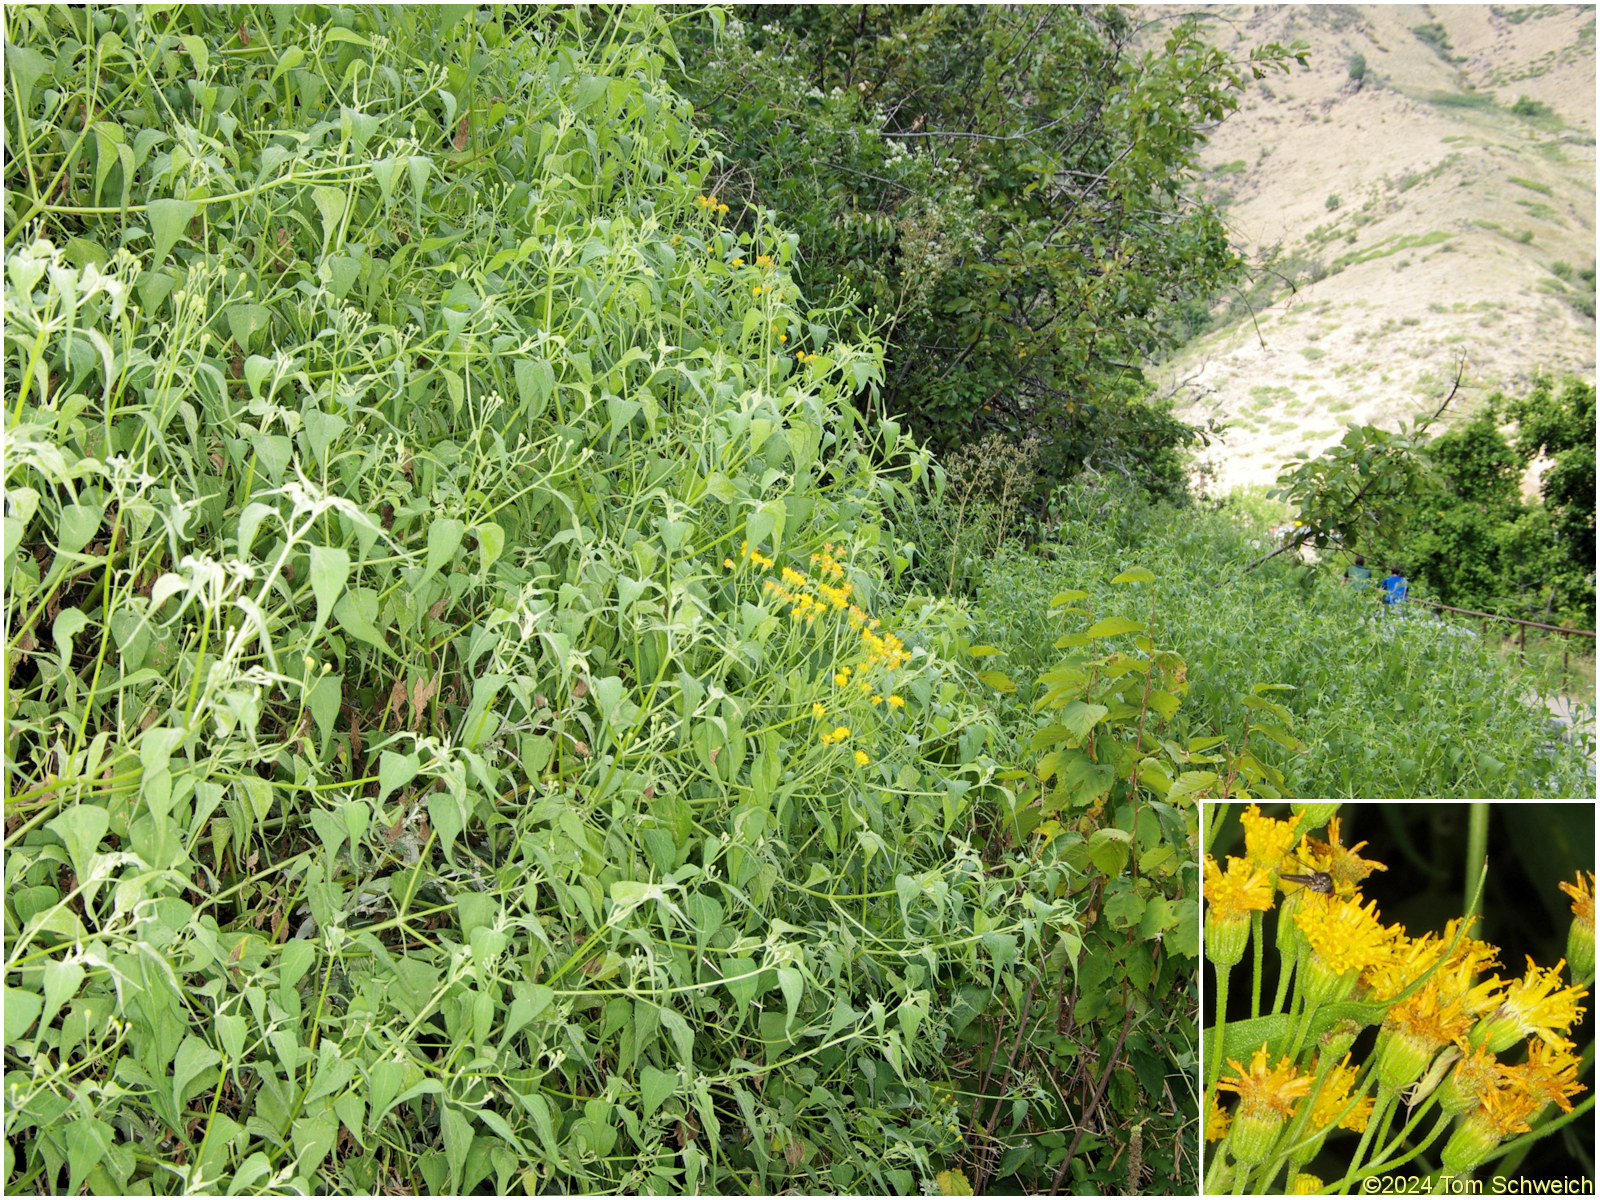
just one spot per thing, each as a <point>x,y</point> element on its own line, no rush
<point>1522,633</point>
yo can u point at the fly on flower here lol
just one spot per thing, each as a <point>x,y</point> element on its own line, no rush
<point>1317,881</point>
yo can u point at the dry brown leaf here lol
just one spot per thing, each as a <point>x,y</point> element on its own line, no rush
<point>461,134</point>
<point>582,749</point>
<point>421,692</point>
<point>397,700</point>
<point>580,689</point>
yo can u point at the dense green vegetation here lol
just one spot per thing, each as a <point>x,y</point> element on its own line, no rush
<point>459,730</point>
<point>1403,706</point>
<point>494,703</point>
<point>1475,544</point>
<point>1008,194</point>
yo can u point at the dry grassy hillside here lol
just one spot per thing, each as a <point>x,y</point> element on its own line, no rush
<point>1422,213</point>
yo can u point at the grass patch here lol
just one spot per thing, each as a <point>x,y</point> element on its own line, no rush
<point>1264,395</point>
<point>1478,100</point>
<point>1540,212</point>
<point>1361,687</point>
<point>1533,185</point>
<point>1313,353</point>
<point>1393,244</point>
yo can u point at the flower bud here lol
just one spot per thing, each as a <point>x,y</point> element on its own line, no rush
<point>1254,1134</point>
<point>1473,1141</point>
<point>1226,938</point>
<point>1580,950</point>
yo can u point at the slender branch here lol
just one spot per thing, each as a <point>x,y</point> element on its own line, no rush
<point>1099,1091</point>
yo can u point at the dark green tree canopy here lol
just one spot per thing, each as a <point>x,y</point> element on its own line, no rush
<point>1003,189</point>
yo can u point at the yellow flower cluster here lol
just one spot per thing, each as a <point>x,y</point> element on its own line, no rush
<point>829,592</point>
<point>805,358</point>
<point>1447,1005</point>
<point>755,556</point>
<point>763,260</point>
<point>710,203</point>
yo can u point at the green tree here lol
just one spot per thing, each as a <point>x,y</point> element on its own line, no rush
<point>1563,427</point>
<point>1005,191</point>
<point>1465,545</point>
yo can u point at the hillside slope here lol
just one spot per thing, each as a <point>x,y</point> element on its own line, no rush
<point>1424,212</point>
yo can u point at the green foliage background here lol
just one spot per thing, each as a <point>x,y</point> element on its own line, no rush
<point>474,717</point>
<point>1474,543</point>
<point>410,783</point>
<point>1007,192</point>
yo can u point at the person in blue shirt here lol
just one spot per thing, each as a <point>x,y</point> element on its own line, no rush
<point>1395,590</point>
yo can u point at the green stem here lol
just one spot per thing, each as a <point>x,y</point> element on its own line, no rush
<point>1379,1117</point>
<point>1221,1023</point>
<point>1477,849</point>
<point>1256,921</point>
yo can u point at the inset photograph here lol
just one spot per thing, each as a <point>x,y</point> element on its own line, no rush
<point>1397,997</point>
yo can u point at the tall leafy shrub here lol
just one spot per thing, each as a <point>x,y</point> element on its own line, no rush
<point>1006,189</point>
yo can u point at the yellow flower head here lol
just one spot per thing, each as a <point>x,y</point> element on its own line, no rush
<point>738,262</point>
<point>1266,841</point>
<point>1506,1110</point>
<point>1410,958</point>
<point>818,710</point>
<point>1536,1005</point>
<point>1217,1119</point>
<point>1245,888</point>
<point>1582,899</point>
<point>1344,936</point>
<point>841,732</point>
<point>1265,1091</point>
<point>763,260</point>
<point>1343,863</point>
<point>1335,1096</point>
<point>842,678</point>
<point>861,758</point>
<point>1551,1073</point>
<point>897,701</point>
<point>1474,1073</point>
<point>1428,1019</point>
<point>728,563</point>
